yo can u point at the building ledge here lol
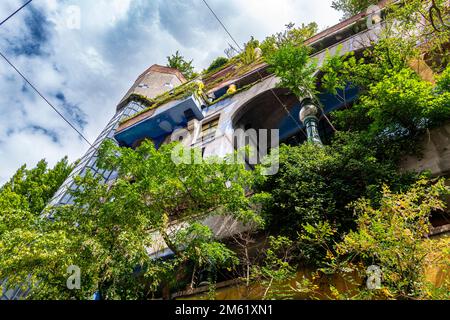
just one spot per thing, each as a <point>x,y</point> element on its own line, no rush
<point>158,122</point>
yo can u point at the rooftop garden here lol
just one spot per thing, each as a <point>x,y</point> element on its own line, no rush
<point>254,55</point>
<point>179,93</point>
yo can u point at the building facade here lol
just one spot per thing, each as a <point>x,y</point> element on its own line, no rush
<point>153,82</point>
<point>163,107</point>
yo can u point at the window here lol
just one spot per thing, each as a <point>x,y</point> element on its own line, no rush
<point>114,175</point>
<point>209,129</point>
<point>66,199</point>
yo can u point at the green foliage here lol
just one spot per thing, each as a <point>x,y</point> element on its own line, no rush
<point>352,7</point>
<point>318,195</point>
<point>395,105</point>
<point>314,187</point>
<point>393,237</point>
<point>443,82</point>
<point>177,61</point>
<point>402,21</point>
<point>109,228</point>
<point>355,119</point>
<point>316,240</point>
<point>317,183</point>
<point>23,198</point>
<point>199,244</point>
<point>293,35</point>
<point>249,54</point>
<point>276,269</point>
<point>389,55</point>
<point>403,103</point>
<point>432,32</point>
<point>22,201</point>
<point>230,94</point>
<point>217,63</point>
<point>295,68</point>
<point>333,68</point>
<point>36,186</point>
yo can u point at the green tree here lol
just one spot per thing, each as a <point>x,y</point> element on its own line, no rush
<point>22,201</point>
<point>433,30</point>
<point>276,269</point>
<point>293,65</point>
<point>393,236</point>
<point>217,63</point>
<point>389,254</point>
<point>395,105</point>
<point>403,103</point>
<point>109,228</point>
<point>24,197</point>
<point>36,186</point>
<point>424,21</point>
<point>352,7</point>
<point>443,82</point>
<point>292,34</point>
<point>390,54</point>
<point>177,61</point>
<point>249,54</point>
<point>317,184</point>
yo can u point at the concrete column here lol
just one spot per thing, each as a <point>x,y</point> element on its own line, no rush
<point>308,116</point>
<point>193,128</point>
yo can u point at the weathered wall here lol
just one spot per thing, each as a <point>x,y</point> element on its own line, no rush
<point>435,155</point>
<point>155,81</point>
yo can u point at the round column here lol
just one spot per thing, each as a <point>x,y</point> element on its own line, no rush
<point>309,117</point>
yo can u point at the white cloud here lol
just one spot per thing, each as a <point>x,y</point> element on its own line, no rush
<point>94,66</point>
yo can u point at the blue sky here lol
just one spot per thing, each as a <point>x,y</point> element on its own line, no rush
<point>85,71</point>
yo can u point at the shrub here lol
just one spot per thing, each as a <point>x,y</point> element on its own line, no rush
<point>217,63</point>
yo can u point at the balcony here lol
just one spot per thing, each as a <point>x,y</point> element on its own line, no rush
<point>158,123</point>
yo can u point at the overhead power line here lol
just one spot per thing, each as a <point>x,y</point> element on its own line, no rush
<point>32,86</point>
<point>14,13</point>
<point>45,99</point>
<point>223,26</point>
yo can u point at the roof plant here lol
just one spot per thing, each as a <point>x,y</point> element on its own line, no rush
<point>181,92</point>
<point>433,14</point>
<point>249,54</point>
<point>177,61</point>
<point>352,7</point>
<point>292,34</point>
<point>217,63</point>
